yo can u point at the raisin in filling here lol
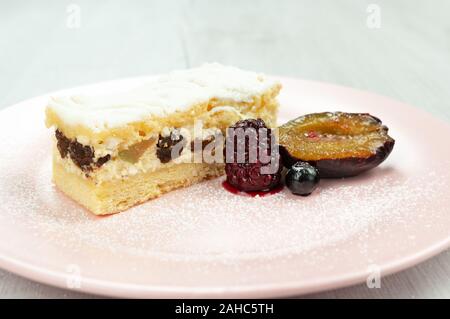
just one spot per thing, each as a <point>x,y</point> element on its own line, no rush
<point>62,143</point>
<point>81,155</point>
<point>102,160</point>
<point>204,143</point>
<point>166,144</point>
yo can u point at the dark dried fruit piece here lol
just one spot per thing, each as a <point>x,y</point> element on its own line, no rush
<point>248,176</point>
<point>167,143</point>
<point>102,160</point>
<point>203,143</point>
<point>337,144</point>
<point>81,155</point>
<point>62,143</point>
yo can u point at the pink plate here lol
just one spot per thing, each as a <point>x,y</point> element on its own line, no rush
<point>206,242</point>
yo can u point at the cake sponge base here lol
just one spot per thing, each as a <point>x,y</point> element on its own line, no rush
<point>120,194</point>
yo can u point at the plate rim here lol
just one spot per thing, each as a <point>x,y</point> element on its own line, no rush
<point>294,288</point>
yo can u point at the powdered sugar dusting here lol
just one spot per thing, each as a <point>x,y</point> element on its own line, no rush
<point>206,222</point>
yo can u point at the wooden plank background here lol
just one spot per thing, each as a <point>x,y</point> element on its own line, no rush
<point>44,47</point>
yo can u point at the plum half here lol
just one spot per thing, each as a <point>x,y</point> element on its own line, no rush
<point>338,144</point>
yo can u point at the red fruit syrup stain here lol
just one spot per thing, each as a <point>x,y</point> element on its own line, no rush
<point>236,191</point>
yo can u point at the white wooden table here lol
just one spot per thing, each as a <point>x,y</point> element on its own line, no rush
<point>49,45</point>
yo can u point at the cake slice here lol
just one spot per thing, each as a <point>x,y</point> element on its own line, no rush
<point>114,151</point>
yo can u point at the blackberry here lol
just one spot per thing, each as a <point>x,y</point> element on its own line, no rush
<point>245,170</point>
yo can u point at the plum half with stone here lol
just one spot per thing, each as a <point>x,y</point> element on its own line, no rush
<point>338,144</point>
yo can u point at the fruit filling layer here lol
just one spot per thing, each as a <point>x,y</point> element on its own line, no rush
<point>170,146</point>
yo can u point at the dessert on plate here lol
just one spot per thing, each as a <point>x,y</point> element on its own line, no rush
<point>114,151</point>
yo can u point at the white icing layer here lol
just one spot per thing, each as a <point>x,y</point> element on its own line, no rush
<point>165,94</point>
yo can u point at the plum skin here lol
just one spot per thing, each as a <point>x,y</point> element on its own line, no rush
<point>343,167</point>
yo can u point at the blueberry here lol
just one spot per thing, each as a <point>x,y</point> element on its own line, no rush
<point>302,178</point>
